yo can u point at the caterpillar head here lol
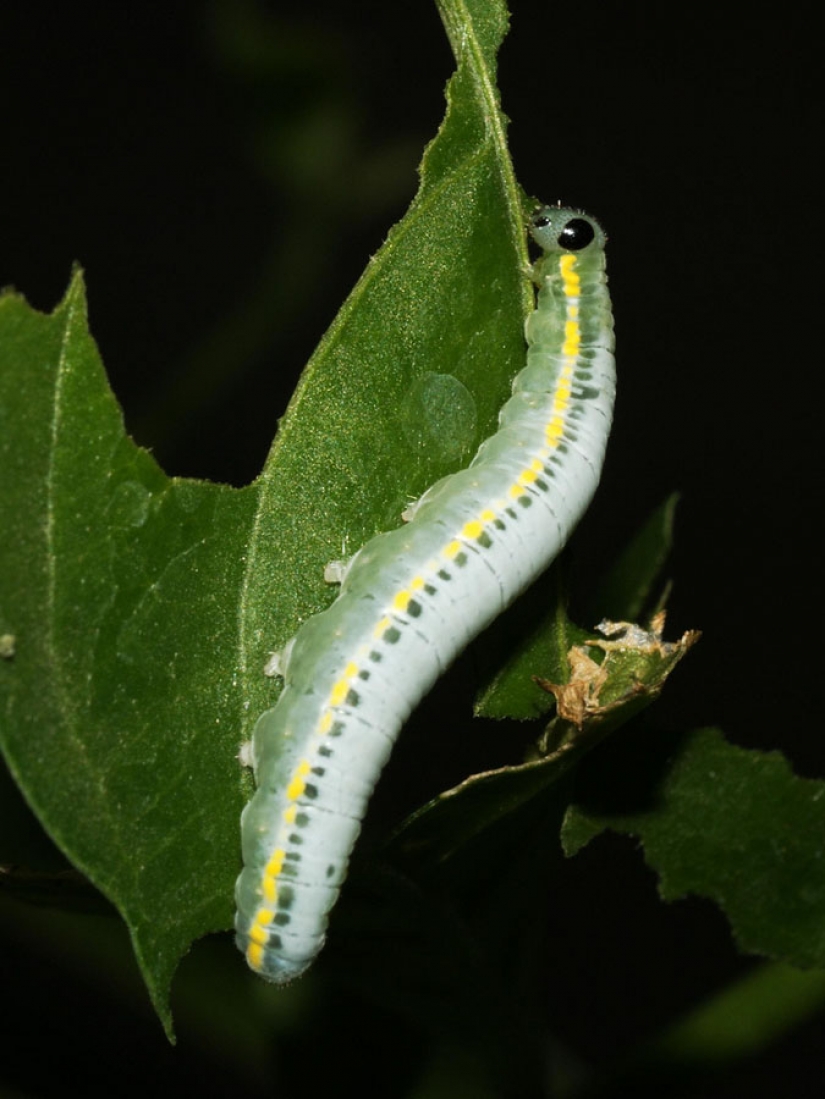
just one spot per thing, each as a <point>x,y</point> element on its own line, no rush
<point>561,229</point>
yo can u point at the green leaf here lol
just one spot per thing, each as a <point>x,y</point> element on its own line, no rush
<point>121,705</point>
<point>137,611</point>
<point>721,822</point>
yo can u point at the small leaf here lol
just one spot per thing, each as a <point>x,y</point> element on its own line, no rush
<point>595,700</point>
<point>721,822</point>
<point>631,674</point>
<point>537,634</point>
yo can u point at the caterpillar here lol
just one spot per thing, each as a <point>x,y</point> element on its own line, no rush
<point>412,598</point>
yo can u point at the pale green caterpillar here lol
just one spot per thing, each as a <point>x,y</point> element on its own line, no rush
<point>411,599</point>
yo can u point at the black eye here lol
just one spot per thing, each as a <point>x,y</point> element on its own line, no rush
<point>540,220</point>
<point>576,234</point>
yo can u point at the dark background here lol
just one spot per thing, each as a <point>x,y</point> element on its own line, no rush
<point>223,171</point>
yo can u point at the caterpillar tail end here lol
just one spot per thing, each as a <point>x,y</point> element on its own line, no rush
<point>266,959</point>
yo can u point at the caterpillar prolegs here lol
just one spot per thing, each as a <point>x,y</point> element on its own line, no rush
<point>412,598</point>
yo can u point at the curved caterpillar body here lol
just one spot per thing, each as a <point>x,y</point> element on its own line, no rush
<point>411,600</point>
